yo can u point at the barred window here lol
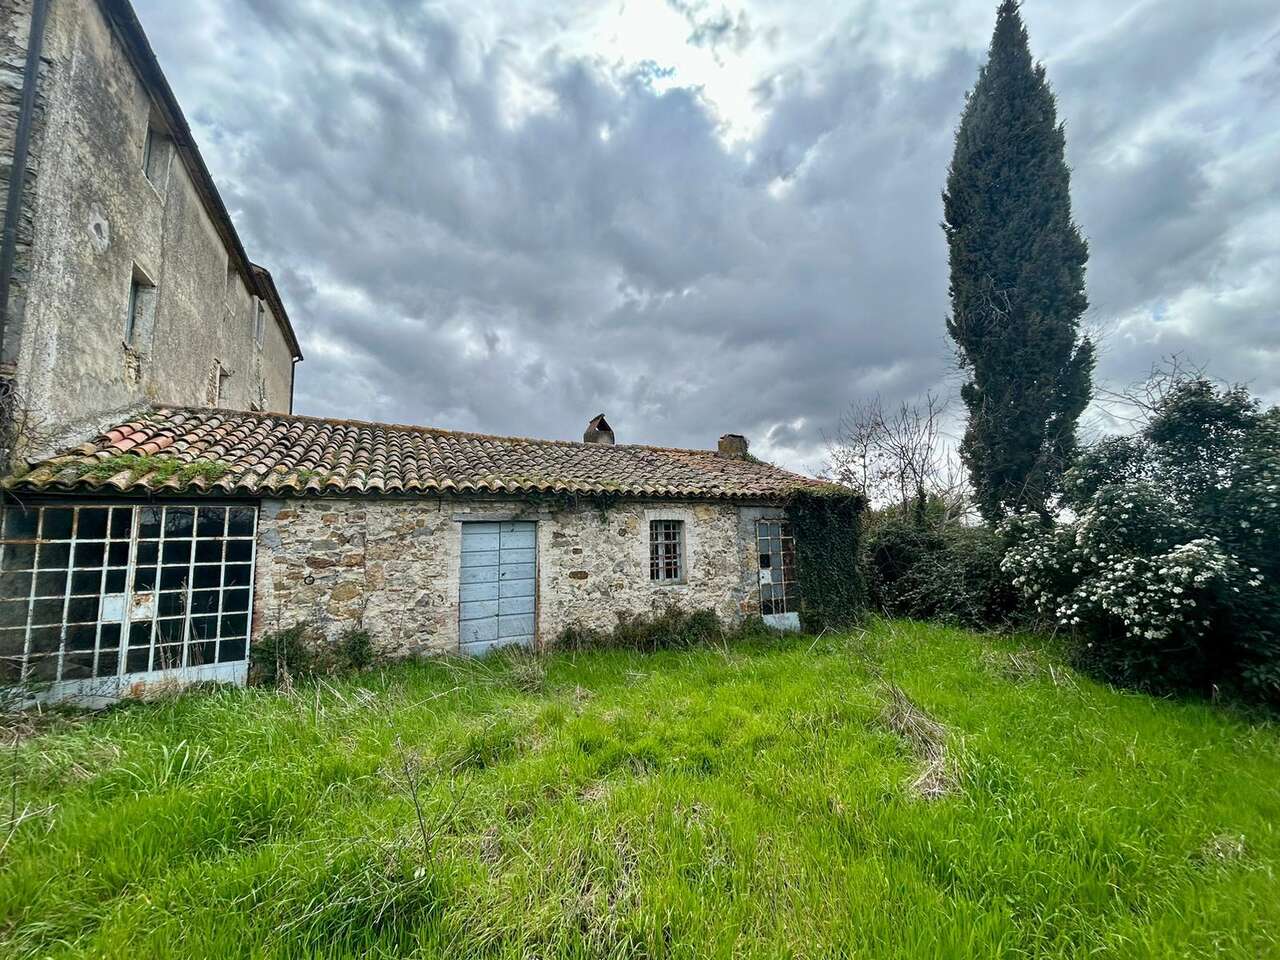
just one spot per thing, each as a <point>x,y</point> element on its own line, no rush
<point>666,550</point>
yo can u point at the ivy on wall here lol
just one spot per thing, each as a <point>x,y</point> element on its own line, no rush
<point>828,534</point>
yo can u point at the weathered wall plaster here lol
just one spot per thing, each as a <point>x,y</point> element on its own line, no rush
<point>95,218</point>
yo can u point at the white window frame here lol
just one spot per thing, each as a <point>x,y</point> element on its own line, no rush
<point>764,538</point>
<point>123,601</point>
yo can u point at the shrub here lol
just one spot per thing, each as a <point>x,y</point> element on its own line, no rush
<point>672,628</point>
<point>935,572</point>
<point>354,650</point>
<point>302,651</point>
<point>1168,573</point>
<point>291,652</point>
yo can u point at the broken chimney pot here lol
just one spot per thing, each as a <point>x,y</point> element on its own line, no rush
<point>598,430</point>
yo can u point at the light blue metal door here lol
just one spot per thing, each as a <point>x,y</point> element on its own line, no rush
<point>496,595</point>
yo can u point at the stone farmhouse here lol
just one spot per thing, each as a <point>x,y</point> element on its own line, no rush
<point>162,547</point>
<point>163,506</point>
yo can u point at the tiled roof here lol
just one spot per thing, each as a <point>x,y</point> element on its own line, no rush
<point>173,449</point>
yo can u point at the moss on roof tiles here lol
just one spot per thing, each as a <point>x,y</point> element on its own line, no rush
<point>250,451</point>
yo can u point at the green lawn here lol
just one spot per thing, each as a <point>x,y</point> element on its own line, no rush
<point>758,800</point>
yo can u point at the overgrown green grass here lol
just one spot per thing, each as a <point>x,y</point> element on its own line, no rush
<point>759,800</point>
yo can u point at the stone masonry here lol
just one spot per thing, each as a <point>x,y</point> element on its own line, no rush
<point>392,564</point>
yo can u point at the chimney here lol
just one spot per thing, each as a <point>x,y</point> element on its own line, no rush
<point>598,430</point>
<point>733,445</point>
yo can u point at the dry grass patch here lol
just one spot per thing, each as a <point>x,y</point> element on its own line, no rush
<point>927,739</point>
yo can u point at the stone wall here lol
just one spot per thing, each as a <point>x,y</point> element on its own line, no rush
<point>393,564</point>
<point>94,219</point>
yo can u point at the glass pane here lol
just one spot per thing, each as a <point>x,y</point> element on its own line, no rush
<point>174,578</point>
<point>239,551</point>
<point>178,522</point>
<point>170,630</point>
<point>144,579</point>
<point>149,523</point>
<point>118,555</point>
<point>235,625</point>
<point>171,604</point>
<point>46,639</point>
<point>138,659</point>
<point>238,575</point>
<point>56,524</point>
<point>46,611</point>
<point>52,583</point>
<point>201,653</point>
<point>209,551</point>
<point>230,651</point>
<point>211,522</point>
<point>121,522</point>
<point>87,581</point>
<point>44,668</point>
<point>176,551</point>
<point>82,636</point>
<point>87,555</point>
<point>20,523</point>
<point>205,577</point>
<point>240,522</point>
<point>140,634</point>
<point>115,581</point>
<point>108,662</point>
<point>12,642</point>
<point>77,666</point>
<point>82,610</point>
<point>148,553</point>
<point>15,585</point>
<point>204,628</point>
<point>235,601</point>
<point>19,556</point>
<point>13,613</point>
<point>204,601</point>
<point>109,639</point>
<point>92,524</point>
<point>10,669</point>
<point>168,657</point>
<point>52,555</point>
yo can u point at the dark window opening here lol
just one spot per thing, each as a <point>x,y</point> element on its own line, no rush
<point>666,550</point>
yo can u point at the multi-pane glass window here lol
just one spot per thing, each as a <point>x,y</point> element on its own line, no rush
<point>779,591</point>
<point>100,591</point>
<point>666,550</point>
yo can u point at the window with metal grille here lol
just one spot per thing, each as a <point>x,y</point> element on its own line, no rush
<point>666,550</point>
<point>779,591</point>
<point>97,591</point>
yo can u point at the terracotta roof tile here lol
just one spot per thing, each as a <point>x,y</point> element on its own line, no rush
<point>179,449</point>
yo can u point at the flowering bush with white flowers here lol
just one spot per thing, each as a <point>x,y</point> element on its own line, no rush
<point>1168,572</point>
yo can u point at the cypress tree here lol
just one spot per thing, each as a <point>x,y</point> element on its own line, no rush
<point>1017,281</point>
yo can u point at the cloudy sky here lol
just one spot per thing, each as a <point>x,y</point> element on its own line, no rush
<point>701,217</point>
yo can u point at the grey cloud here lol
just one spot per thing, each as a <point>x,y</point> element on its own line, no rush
<point>455,257</point>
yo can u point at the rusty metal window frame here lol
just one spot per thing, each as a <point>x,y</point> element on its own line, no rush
<point>776,538</point>
<point>666,551</point>
<point>42,545</point>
